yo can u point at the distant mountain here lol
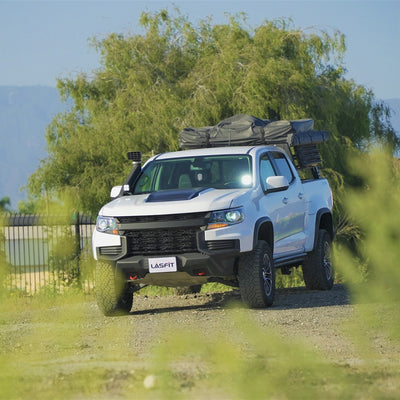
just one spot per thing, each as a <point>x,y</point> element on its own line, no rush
<point>24,114</point>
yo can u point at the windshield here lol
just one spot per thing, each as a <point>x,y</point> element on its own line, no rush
<point>219,172</point>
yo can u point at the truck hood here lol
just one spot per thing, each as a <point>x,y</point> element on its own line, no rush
<point>175,202</point>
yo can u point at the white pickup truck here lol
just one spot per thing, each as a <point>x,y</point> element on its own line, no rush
<point>222,214</point>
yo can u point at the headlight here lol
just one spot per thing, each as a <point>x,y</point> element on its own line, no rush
<point>107,225</point>
<point>220,219</point>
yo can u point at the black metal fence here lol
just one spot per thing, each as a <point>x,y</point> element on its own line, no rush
<point>39,252</point>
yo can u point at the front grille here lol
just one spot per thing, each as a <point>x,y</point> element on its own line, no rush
<point>162,218</point>
<point>162,234</point>
<point>162,241</point>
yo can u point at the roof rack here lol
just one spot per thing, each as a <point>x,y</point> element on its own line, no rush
<point>247,130</point>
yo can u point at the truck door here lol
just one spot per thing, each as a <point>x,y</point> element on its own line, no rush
<point>286,208</point>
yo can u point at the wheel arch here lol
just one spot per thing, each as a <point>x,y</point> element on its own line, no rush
<point>264,230</point>
<point>324,220</point>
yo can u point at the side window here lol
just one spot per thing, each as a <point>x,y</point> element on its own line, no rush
<point>266,170</point>
<point>283,166</point>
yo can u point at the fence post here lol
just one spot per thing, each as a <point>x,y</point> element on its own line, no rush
<point>78,246</point>
<point>77,234</point>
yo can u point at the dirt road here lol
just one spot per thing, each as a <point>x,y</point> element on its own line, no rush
<point>317,316</point>
<point>70,350</point>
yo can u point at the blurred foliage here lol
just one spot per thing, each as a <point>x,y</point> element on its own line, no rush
<point>176,74</point>
<point>372,268</point>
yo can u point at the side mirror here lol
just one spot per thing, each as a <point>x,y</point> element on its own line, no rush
<point>277,183</point>
<point>115,191</point>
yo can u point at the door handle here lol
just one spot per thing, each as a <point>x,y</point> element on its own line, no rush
<point>300,195</point>
<point>285,200</point>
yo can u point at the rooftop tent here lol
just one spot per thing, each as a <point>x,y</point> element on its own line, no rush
<point>247,130</point>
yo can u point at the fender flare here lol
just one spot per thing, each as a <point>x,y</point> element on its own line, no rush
<point>324,219</point>
<point>268,234</point>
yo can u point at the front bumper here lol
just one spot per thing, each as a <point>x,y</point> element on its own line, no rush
<point>193,267</point>
<point>181,236</point>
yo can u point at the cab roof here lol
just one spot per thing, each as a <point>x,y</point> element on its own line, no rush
<point>215,151</point>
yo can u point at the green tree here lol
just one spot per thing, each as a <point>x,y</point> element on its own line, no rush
<point>150,86</point>
<point>4,204</point>
<point>28,207</point>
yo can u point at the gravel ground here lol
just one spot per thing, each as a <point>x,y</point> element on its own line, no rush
<point>318,317</point>
<point>53,344</point>
<point>298,312</point>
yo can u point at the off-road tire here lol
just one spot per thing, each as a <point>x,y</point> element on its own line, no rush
<point>113,295</point>
<point>318,273</point>
<point>256,274</point>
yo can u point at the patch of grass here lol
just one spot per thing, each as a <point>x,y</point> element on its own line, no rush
<point>294,279</point>
<point>165,291</point>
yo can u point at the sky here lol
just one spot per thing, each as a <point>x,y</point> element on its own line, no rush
<point>41,41</point>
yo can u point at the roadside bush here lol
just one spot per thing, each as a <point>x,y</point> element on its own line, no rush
<point>63,258</point>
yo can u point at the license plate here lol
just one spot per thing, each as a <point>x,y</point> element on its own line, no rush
<point>162,264</point>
